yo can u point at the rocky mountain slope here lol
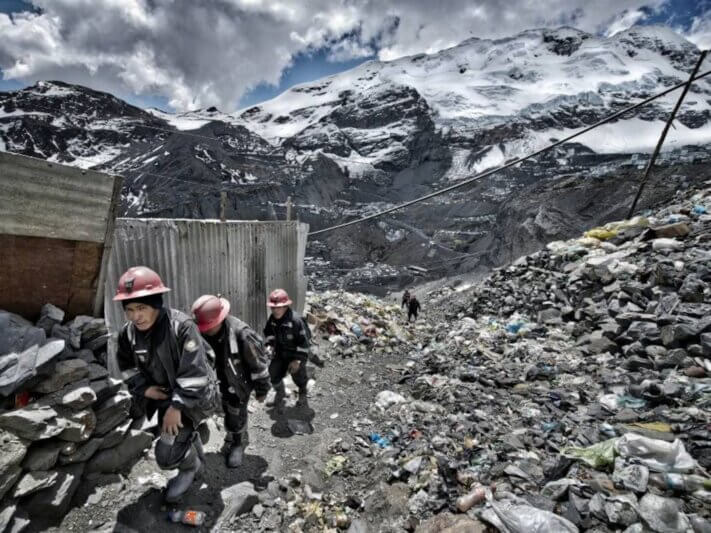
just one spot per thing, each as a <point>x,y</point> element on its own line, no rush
<point>385,132</point>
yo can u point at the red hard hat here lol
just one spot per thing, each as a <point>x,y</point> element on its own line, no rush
<point>209,311</point>
<point>279,298</point>
<point>137,282</point>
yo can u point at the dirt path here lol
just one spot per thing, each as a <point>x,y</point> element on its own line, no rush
<point>342,392</point>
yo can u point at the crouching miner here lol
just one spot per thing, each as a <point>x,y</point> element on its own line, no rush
<point>241,366</point>
<point>286,334</point>
<point>165,364</point>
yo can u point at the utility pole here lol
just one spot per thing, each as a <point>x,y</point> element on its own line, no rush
<point>663,136</point>
<point>289,205</point>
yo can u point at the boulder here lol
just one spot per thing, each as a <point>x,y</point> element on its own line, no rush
<point>79,425</point>
<point>94,335</point>
<point>82,453</point>
<point>18,369</point>
<point>112,412</point>
<point>49,316</point>
<point>77,395</point>
<point>675,335</point>
<point>105,388</point>
<point>669,231</point>
<point>114,459</point>
<point>97,371</point>
<point>239,499</point>
<point>34,481</point>
<point>42,456</point>
<point>692,289</point>
<point>8,479</point>
<point>18,334</point>
<point>65,372</point>
<point>53,503</point>
<point>115,436</point>
<point>34,422</point>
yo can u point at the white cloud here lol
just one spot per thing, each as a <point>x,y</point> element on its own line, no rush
<point>700,31</point>
<point>210,53</point>
<point>625,21</point>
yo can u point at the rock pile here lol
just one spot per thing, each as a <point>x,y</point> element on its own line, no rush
<point>568,392</point>
<point>62,416</point>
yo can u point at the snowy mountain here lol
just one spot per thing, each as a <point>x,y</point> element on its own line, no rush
<point>386,132</point>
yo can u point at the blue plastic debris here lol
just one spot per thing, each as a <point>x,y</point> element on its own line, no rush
<point>378,439</point>
<point>699,210</point>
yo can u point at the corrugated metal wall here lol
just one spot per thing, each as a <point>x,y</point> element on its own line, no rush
<point>56,225</point>
<point>242,260</point>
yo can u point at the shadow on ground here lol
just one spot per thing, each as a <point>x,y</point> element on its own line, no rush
<point>150,514</point>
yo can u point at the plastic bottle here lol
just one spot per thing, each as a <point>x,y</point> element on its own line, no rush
<point>476,495</point>
<point>680,482</point>
<point>189,517</point>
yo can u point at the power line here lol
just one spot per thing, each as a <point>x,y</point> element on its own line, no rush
<point>510,164</point>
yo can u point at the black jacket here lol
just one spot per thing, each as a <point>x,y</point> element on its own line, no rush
<point>413,306</point>
<point>242,364</point>
<point>172,354</point>
<point>288,336</point>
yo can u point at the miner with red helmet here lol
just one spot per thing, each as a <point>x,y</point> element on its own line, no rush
<point>164,360</point>
<point>241,364</point>
<point>287,334</point>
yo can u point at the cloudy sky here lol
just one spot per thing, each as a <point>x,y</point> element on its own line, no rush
<point>188,54</point>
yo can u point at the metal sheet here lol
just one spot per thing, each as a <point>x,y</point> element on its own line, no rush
<point>242,260</point>
<point>42,199</point>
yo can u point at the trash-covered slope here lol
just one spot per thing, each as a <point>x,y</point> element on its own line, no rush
<point>567,392</point>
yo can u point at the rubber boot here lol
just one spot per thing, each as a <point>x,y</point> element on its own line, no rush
<point>180,484</point>
<point>303,400</point>
<point>280,397</point>
<point>235,455</point>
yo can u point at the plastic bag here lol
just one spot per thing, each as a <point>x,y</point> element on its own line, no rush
<point>600,233</point>
<point>657,455</point>
<point>598,456</point>
<point>517,517</point>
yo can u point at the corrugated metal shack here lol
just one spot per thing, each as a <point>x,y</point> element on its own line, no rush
<point>242,260</point>
<point>56,225</point>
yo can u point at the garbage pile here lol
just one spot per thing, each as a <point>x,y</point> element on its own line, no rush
<point>348,324</point>
<point>570,391</point>
<point>61,415</point>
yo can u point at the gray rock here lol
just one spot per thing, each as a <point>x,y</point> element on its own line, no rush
<point>678,229</point>
<point>79,425</point>
<point>113,459</point>
<point>18,334</point>
<point>8,479</point>
<point>112,412</point>
<point>645,332</point>
<point>34,481</point>
<point>54,502</point>
<point>65,372</point>
<point>42,456</point>
<point>6,515</point>
<point>549,316</point>
<point>655,351</point>
<point>706,344</point>
<point>597,343</point>
<point>105,388</point>
<point>77,395</point>
<point>115,436</point>
<point>692,289</point>
<point>18,369</point>
<point>13,450</point>
<point>49,316</point>
<point>87,356</point>
<point>83,452</point>
<point>359,526</point>
<point>94,335</point>
<point>662,514</point>
<point>239,499</point>
<point>674,335</point>
<point>97,371</point>
<point>34,422</point>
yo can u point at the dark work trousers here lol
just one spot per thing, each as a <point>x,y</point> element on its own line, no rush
<point>410,314</point>
<point>278,369</point>
<point>235,418</point>
<point>181,454</point>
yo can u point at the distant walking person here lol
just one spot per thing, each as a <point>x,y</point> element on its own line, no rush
<point>405,299</point>
<point>413,307</point>
<point>286,333</point>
